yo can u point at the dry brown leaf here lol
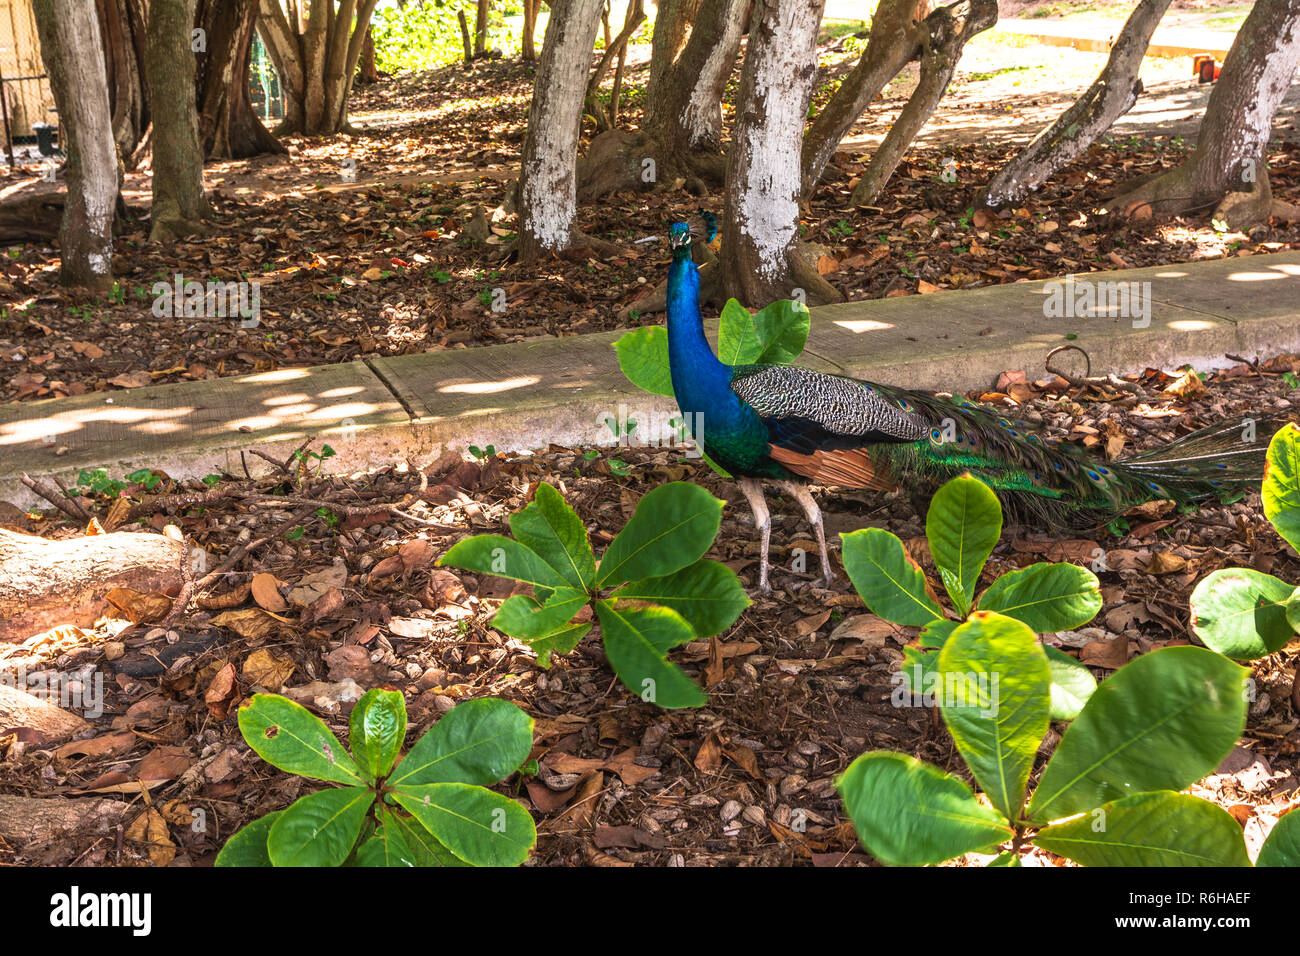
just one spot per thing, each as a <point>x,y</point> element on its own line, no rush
<point>266,592</point>
<point>264,668</point>
<point>138,607</point>
<point>222,692</point>
<point>709,757</point>
<point>150,829</point>
<point>250,623</point>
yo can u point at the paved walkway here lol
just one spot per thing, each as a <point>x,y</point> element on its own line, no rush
<point>1097,35</point>
<point>524,396</point>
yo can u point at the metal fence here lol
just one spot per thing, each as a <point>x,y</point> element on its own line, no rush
<point>25,96</point>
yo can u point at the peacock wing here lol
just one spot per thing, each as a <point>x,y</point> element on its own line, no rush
<point>822,426</point>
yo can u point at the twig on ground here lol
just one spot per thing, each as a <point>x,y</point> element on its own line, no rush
<point>46,489</point>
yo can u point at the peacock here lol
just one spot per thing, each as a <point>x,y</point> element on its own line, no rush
<point>793,427</point>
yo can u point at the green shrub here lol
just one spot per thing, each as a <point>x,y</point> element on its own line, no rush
<point>1108,796</point>
<point>652,591</point>
<point>1246,614</point>
<point>775,335</point>
<point>431,809</point>
<point>962,525</point>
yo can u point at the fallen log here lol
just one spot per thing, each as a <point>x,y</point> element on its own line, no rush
<point>45,583</point>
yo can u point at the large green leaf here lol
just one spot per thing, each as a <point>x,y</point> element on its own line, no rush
<point>552,530</point>
<point>321,828</point>
<point>1161,722</point>
<point>673,526</point>
<point>637,641</point>
<point>909,813</point>
<point>1072,684</point>
<point>643,357</point>
<point>999,709</point>
<point>504,557</point>
<point>477,741</point>
<point>481,827</point>
<point>248,846</point>
<point>377,728</point>
<point>401,841</point>
<point>1281,490</point>
<point>1047,597</point>
<point>773,336</point>
<point>889,585</point>
<point>1161,828</point>
<point>1282,848</point>
<point>428,851</point>
<point>289,736</point>
<point>707,593</point>
<point>1242,613</point>
<point>545,627</point>
<point>1293,610</point>
<point>963,524</point>
<point>782,329</point>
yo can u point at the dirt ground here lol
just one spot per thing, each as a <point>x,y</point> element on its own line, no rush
<point>798,687</point>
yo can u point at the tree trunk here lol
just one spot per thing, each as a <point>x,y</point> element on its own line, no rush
<point>948,30</point>
<point>122,27</point>
<point>680,137</point>
<point>367,71</point>
<point>528,52</point>
<point>45,583</point>
<point>1227,169</point>
<point>1111,95</point>
<point>74,60</point>
<point>178,201</point>
<point>229,127</point>
<point>466,43</point>
<point>896,39</point>
<point>616,47</point>
<point>673,19</point>
<point>482,8</point>
<point>547,183</point>
<point>759,260</point>
<point>316,60</point>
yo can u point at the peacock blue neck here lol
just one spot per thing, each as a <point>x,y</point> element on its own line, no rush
<point>701,383</point>
<point>731,432</point>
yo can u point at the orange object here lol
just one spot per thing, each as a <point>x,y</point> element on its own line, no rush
<point>1209,70</point>
<point>1198,60</point>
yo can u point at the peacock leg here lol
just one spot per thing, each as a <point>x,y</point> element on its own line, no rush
<point>800,493</point>
<point>753,492</point>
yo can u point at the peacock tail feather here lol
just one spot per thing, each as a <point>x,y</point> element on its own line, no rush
<point>903,438</point>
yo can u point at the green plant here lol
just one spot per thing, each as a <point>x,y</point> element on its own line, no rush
<point>483,453</point>
<point>775,335</point>
<point>1108,796</point>
<point>653,591</point>
<point>962,526</point>
<point>1246,614</point>
<point>432,808</point>
<point>320,457</point>
<point>96,481</point>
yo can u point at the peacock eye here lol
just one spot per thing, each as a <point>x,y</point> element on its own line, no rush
<point>936,436</point>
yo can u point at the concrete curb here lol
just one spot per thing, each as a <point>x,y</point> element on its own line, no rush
<point>525,396</point>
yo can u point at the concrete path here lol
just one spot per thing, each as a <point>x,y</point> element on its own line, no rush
<point>1098,34</point>
<point>524,396</point>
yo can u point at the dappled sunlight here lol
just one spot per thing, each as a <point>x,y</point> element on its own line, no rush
<point>862,325</point>
<point>487,388</point>
<point>1191,325</point>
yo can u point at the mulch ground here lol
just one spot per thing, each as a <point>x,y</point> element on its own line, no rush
<point>798,687</point>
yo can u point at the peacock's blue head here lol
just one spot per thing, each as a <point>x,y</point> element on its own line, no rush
<point>679,236</point>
